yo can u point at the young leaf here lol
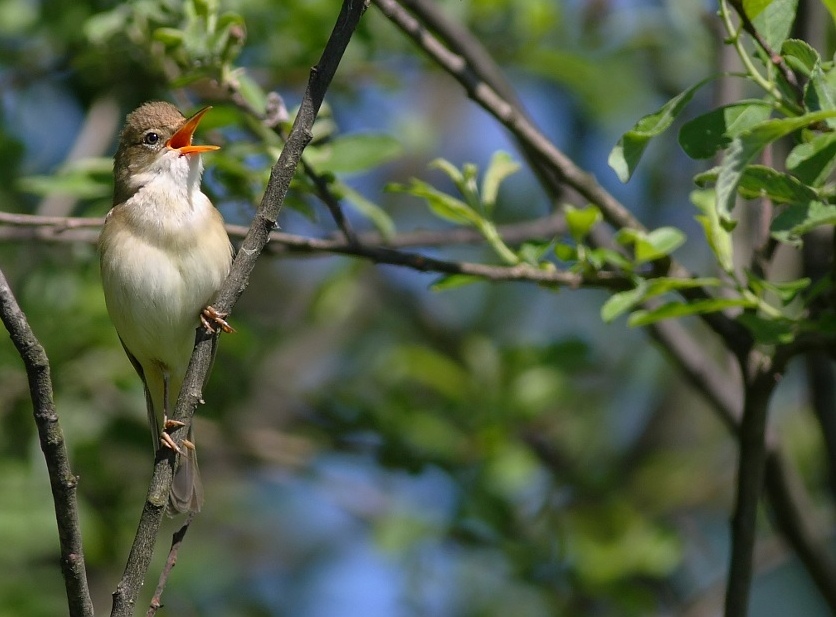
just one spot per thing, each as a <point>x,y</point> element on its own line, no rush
<point>443,205</point>
<point>719,238</point>
<point>652,245</point>
<point>449,169</point>
<point>683,309</point>
<point>659,243</point>
<point>624,301</point>
<point>581,220</point>
<point>501,166</point>
<point>625,156</point>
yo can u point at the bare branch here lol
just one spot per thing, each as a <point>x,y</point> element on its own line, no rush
<point>735,336</point>
<point>61,478</point>
<point>510,117</point>
<point>170,562</point>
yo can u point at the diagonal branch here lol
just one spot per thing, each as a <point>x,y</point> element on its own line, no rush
<point>124,599</point>
<point>61,478</point>
<point>736,337</point>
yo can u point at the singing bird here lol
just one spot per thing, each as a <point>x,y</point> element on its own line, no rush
<point>164,253</point>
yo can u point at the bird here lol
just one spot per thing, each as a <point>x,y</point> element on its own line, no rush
<point>164,253</point>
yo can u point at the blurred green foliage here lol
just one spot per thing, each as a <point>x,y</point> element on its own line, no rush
<point>472,451</point>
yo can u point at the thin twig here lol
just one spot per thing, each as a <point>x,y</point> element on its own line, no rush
<point>736,337</point>
<point>275,110</point>
<point>264,221</point>
<point>510,117</point>
<point>61,478</point>
<point>15,226</point>
<point>170,562</point>
<point>774,57</point>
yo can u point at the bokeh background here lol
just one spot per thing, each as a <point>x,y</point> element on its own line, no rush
<point>372,446</point>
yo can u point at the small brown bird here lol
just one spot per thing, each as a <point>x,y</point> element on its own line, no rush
<point>164,254</point>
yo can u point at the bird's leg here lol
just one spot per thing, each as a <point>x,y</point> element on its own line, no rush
<point>211,319</point>
<point>165,437</point>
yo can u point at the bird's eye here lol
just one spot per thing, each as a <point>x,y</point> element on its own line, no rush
<point>150,138</point>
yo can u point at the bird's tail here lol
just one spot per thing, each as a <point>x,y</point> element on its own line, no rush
<point>187,488</point>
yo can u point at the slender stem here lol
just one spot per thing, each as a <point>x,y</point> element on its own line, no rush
<point>61,478</point>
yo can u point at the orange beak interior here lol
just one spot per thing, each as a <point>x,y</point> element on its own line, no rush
<point>182,139</point>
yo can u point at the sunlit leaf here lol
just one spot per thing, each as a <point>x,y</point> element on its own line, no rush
<point>442,205</point>
<point>625,156</point>
<point>581,220</point>
<point>501,166</point>
<point>623,301</point>
<point>684,309</point>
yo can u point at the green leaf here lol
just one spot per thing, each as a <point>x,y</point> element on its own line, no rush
<point>377,215</point>
<point>775,21</point>
<point>762,181</point>
<point>454,281</point>
<point>101,27</point>
<point>170,37</point>
<point>705,135</point>
<point>753,8</point>
<point>830,5</point>
<point>769,331</point>
<point>625,156</point>
<point>83,179</point>
<point>565,252</point>
<point>647,289</point>
<point>683,309</point>
<point>652,245</point>
<point>798,219</point>
<point>718,237</point>
<point>501,166</point>
<point>442,205</point>
<point>534,252</point>
<point>624,301</point>
<point>745,147</point>
<point>449,169</point>
<point>800,56</point>
<point>785,291</point>
<point>659,243</point>
<point>813,162</point>
<point>581,220</point>
<point>353,153</point>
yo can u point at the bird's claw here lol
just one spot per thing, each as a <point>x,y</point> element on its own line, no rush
<point>212,319</point>
<point>168,442</point>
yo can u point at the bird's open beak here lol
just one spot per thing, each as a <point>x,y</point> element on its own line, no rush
<point>182,139</point>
